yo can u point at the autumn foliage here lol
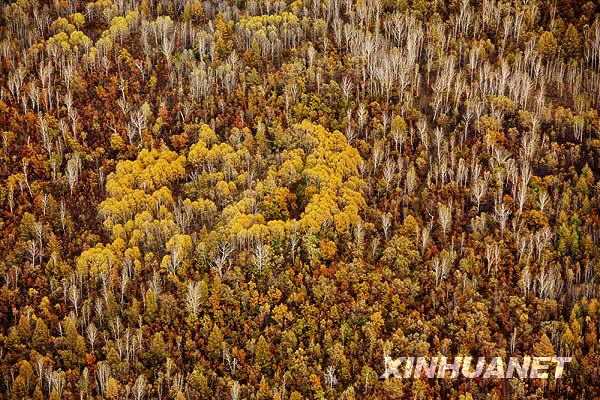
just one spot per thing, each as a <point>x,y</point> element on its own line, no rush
<point>261,199</point>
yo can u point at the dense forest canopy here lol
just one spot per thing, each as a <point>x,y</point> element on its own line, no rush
<point>256,199</point>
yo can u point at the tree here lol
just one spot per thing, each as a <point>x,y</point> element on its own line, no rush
<point>262,353</point>
<point>547,44</point>
<point>113,389</point>
<point>41,335</point>
<point>445,217</point>
<point>398,130</point>
<point>157,352</point>
<point>215,341</point>
<point>197,227</point>
<point>571,43</point>
<point>19,388</point>
<point>401,253</point>
<point>544,347</point>
<point>196,294</point>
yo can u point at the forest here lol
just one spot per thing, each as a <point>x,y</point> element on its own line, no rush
<point>263,199</point>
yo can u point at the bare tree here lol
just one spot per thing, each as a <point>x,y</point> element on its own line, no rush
<point>260,256</point>
<point>33,250</point>
<point>138,121</point>
<point>193,298</point>
<point>220,260</point>
<point>445,217</point>
<point>411,180</point>
<point>102,375</point>
<point>174,261</point>
<point>73,170</point>
<point>478,191</point>
<point>424,238</point>
<point>74,297</point>
<point>91,332</point>
<point>523,186</point>
<point>440,268</point>
<point>492,255</point>
<point>386,223</point>
<point>139,387</point>
<point>346,87</point>
<point>235,390</point>
<point>330,377</point>
<point>501,213</point>
<point>542,200</point>
<point>388,173</point>
<point>362,115</point>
